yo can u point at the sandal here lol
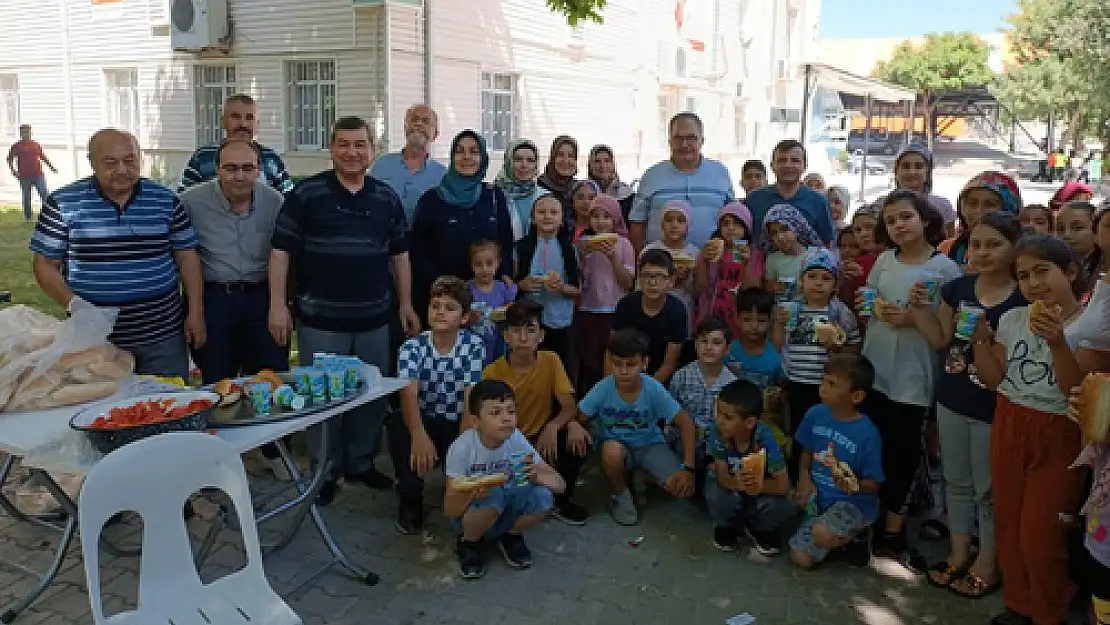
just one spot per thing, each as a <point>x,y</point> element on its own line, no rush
<point>942,574</point>
<point>976,587</point>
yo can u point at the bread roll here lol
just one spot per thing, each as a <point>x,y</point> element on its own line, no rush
<point>830,333</point>
<point>715,250</point>
<point>1041,307</point>
<point>91,356</point>
<point>35,390</point>
<point>69,394</point>
<point>756,464</point>
<point>684,261</point>
<point>1094,407</point>
<point>469,484</point>
<point>599,241</point>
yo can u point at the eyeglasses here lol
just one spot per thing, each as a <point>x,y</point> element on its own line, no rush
<point>680,139</point>
<point>655,278</point>
<point>232,168</point>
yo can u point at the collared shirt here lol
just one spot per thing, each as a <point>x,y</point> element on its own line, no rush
<point>343,243</point>
<point>409,185</point>
<point>811,204</point>
<point>707,189</point>
<point>120,256</point>
<point>233,247</point>
<point>202,168</point>
<point>698,399</point>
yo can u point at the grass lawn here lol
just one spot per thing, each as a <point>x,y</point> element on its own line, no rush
<point>15,263</point>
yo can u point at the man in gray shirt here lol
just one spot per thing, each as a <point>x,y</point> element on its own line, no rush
<point>233,216</point>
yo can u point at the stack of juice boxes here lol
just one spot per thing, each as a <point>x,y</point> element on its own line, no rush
<point>330,378</point>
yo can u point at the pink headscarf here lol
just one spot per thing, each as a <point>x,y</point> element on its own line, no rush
<point>739,211</point>
<point>610,205</point>
<point>1066,193</point>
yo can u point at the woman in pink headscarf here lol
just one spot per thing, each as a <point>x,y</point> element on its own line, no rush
<point>608,265</point>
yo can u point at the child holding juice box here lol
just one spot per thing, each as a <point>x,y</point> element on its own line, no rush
<point>490,294</point>
<point>727,264</point>
<point>786,237</point>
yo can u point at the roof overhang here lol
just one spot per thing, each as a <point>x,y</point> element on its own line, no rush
<point>846,82</point>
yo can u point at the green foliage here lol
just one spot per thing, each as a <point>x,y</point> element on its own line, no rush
<point>943,62</point>
<point>578,10</point>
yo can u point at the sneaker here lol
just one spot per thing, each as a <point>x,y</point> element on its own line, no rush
<point>327,493</point>
<point>516,551</point>
<point>623,509</point>
<point>472,562</point>
<point>570,513</point>
<point>410,518</point>
<point>894,546</point>
<point>725,538</point>
<point>373,478</point>
<point>764,543</point>
<point>858,552</point>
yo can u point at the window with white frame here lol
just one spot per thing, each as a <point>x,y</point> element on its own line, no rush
<point>212,85</point>
<point>310,102</point>
<point>500,121</point>
<point>9,106</point>
<point>122,104</point>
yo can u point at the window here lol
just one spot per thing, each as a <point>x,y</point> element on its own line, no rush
<point>310,97</point>
<point>212,85</point>
<point>122,110</point>
<point>9,106</point>
<point>500,122</point>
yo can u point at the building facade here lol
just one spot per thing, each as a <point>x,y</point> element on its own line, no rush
<point>508,68</point>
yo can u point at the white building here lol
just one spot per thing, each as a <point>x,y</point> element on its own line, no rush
<point>507,67</point>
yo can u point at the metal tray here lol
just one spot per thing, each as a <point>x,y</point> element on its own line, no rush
<point>241,413</point>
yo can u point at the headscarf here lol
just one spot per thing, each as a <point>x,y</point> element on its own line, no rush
<point>678,206</point>
<point>559,184</point>
<point>615,188</point>
<point>1002,184</point>
<point>820,258</point>
<point>793,219</point>
<point>515,189</point>
<point>457,189</point>
<point>610,205</point>
<point>1066,193</point>
<point>842,193</point>
<point>737,210</point>
<point>925,154</point>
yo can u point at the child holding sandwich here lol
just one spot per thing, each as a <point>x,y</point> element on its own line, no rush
<point>608,266</point>
<point>841,466</point>
<point>498,485</point>
<point>675,223</point>
<point>746,481</point>
<point>727,264</point>
<point>491,296</point>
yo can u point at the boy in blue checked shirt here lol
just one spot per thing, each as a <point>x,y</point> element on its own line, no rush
<point>696,385</point>
<point>742,502</point>
<point>841,466</point>
<point>441,364</point>
<point>624,410</point>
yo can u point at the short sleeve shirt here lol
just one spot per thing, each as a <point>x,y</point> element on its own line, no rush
<point>667,327</point>
<point>697,398</point>
<point>442,379</point>
<point>707,189</point>
<point>717,448</point>
<point>854,442</point>
<point>535,390</point>
<point>763,369</point>
<point>636,423</point>
<point>468,457</point>
<point>1030,379</point>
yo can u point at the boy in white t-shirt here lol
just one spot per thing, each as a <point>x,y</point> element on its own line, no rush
<point>502,513</point>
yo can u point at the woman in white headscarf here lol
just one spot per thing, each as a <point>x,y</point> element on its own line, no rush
<point>602,169</point>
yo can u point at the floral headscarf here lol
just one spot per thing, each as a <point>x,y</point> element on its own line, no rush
<point>1002,184</point>
<point>794,220</point>
<point>560,185</point>
<point>610,205</point>
<point>513,188</point>
<point>925,154</point>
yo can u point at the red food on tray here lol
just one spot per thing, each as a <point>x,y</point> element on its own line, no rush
<point>148,413</point>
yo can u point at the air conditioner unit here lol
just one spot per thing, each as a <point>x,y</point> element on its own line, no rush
<point>784,69</point>
<point>197,25</point>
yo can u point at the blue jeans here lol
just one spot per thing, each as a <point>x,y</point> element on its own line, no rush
<point>168,358</point>
<point>511,503</point>
<point>355,436</point>
<point>762,513</point>
<point>239,341</point>
<point>25,185</point>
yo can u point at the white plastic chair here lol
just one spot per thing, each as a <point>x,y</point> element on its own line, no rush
<point>153,478</point>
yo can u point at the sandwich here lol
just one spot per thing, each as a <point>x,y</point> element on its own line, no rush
<point>268,376</point>
<point>841,470</point>
<point>1040,307</point>
<point>1094,407</point>
<point>756,465</point>
<point>471,483</point>
<point>229,391</point>
<point>598,241</point>
<point>830,333</point>
<point>498,314</point>
<point>685,261</point>
<point>714,250</point>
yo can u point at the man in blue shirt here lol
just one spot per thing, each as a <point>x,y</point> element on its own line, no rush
<point>412,171</point>
<point>239,117</point>
<point>788,162</point>
<point>702,182</point>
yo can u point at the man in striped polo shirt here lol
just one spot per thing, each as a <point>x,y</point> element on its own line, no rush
<point>239,117</point>
<point>118,240</point>
<point>347,232</point>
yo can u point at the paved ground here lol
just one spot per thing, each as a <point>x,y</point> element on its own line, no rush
<point>583,575</point>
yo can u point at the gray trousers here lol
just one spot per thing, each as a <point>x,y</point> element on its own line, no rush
<point>762,513</point>
<point>167,358</point>
<point>355,436</point>
<point>965,446</point>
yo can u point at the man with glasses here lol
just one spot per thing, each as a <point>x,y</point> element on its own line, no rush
<point>118,240</point>
<point>412,171</point>
<point>702,182</point>
<point>239,118</point>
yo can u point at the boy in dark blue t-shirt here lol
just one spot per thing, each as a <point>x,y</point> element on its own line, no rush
<point>841,465</point>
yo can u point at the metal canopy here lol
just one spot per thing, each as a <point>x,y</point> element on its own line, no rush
<point>843,81</point>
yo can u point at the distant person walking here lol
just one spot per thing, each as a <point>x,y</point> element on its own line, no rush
<point>25,159</point>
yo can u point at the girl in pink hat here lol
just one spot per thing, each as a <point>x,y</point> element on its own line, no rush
<point>738,265</point>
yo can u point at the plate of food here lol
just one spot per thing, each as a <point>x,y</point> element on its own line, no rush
<point>271,396</point>
<point>112,424</point>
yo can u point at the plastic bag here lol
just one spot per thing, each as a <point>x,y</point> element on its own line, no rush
<point>1092,328</point>
<point>46,363</point>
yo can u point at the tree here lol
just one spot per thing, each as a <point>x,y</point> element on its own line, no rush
<point>944,62</point>
<point>578,10</point>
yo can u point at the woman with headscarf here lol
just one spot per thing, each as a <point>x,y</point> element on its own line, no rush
<point>1070,192</point>
<point>517,180</point>
<point>562,167</point>
<point>455,215</point>
<point>602,169</point>
<point>985,192</point>
<point>840,200</point>
<point>913,171</point>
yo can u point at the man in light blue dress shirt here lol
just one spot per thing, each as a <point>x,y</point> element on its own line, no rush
<point>411,172</point>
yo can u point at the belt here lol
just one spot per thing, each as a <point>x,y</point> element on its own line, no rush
<point>235,287</point>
